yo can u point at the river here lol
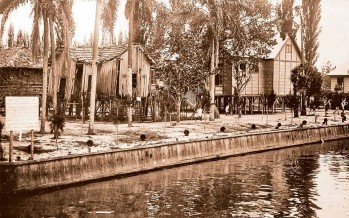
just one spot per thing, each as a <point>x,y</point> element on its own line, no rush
<point>306,181</point>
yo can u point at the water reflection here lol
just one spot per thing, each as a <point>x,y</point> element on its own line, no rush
<point>309,181</point>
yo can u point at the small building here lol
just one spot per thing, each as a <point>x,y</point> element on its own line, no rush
<point>339,78</point>
<point>74,69</point>
<point>20,74</point>
<point>273,74</point>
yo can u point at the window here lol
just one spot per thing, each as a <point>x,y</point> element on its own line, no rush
<point>153,78</point>
<point>243,67</point>
<point>288,49</point>
<point>218,79</point>
<point>134,80</point>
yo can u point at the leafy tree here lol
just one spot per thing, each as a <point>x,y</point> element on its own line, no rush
<point>326,68</point>
<point>180,68</point>
<point>307,82</point>
<point>286,24</point>
<point>246,41</point>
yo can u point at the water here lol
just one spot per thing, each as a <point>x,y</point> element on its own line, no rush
<point>308,181</point>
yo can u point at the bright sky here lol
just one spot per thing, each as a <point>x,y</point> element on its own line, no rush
<point>334,43</point>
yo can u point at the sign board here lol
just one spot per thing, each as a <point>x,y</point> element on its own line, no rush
<point>22,113</point>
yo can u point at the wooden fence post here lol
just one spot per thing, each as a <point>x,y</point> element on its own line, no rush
<point>10,153</point>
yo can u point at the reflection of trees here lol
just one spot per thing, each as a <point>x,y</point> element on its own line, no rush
<point>300,176</point>
<point>273,182</point>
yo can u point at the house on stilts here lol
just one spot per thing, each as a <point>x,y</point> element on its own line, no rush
<point>273,74</point>
<point>74,75</point>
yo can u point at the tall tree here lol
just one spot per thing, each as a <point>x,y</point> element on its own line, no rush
<point>129,12</point>
<point>310,13</point>
<point>286,25</point>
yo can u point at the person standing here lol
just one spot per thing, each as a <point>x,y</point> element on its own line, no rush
<point>227,110</point>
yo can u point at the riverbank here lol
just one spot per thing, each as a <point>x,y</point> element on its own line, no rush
<point>111,137</point>
<point>93,165</point>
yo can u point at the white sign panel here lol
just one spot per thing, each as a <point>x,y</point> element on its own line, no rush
<point>22,113</point>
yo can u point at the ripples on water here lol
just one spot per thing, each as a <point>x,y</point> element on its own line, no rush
<point>308,181</point>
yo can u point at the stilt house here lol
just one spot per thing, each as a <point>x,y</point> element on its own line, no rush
<point>274,74</point>
<point>74,70</point>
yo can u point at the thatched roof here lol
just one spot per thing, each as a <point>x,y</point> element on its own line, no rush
<point>84,54</point>
<point>18,57</point>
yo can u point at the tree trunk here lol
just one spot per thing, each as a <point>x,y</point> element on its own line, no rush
<point>178,108</point>
<point>44,76</point>
<point>304,107</point>
<point>130,56</point>
<point>53,63</point>
<point>94,69</point>
<point>212,81</point>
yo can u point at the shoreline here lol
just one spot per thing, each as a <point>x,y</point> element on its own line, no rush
<point>79,168</point>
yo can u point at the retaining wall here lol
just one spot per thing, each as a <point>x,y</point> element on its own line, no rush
<point>37,174</point>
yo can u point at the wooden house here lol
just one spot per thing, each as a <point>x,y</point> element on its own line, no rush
<point>19,73</point>
<point>274,72</point>
<point>74,69</point>
<point>339,78</point>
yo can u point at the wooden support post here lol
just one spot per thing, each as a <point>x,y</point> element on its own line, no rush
<point>10,152</point>
<point>32,146</point>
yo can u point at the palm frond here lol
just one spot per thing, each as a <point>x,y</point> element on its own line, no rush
<point>13,5</point>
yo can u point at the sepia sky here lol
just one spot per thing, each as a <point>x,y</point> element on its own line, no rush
<point>334,43</point>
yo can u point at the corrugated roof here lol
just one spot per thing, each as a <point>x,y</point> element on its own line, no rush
<point>84,54</point>
<point>18,57</point>
<point>341,70</point>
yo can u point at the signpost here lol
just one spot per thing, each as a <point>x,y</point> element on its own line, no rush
<point>22,114</point>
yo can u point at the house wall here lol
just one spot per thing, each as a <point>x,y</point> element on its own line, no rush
<point>65,68</point>
<point>334,83</point>
<point>141,65</point>
<point>255,85</point>
<point>283,65</point>
<point>268,75</point>
<point>30,78</point>
<point>107,78</point>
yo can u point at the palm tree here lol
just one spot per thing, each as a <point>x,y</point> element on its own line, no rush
<point>94,68</point>
<point>129,12</point>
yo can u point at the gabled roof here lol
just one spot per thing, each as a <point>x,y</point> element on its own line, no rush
<point>84,54</point>
<point>279,44</point>
<point>341,70</point>
<point>18,57</point>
